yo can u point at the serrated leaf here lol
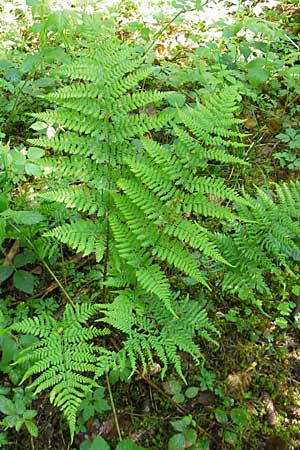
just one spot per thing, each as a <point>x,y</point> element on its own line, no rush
<point>24,281</point>
<point>23,217</point>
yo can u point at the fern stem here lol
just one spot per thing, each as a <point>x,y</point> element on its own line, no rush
<point>46,266</point>
<point>113,408</point>
<point>160,32</point>
<point>57,281</point>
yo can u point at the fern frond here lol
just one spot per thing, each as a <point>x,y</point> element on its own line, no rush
<point>77,197</point>
<point>83,236</point>
<point>66,361</point>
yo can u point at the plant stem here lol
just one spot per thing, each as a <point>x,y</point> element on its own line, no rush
<point>160,32</point>
<point>113,408</point>
<point>46,266</point>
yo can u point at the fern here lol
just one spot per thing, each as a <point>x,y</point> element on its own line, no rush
<point>63,358</point>
<point>152,333</point>
<point>149,198</point>
<point>267,240</point>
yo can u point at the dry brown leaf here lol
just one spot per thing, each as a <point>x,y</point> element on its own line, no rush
<point>270,411</point>
<point>238,383</point>
<point>206,398</point>
<point>250,122</point>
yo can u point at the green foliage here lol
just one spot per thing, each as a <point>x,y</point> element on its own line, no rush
<point>63,357</point>
<point>16,413</point>
<point>267,239</point>
<point>186,436</point>
<point>93,403</point>
<point>100,444</point>
<point>138,165</point>
<point>150,330</point>
<point>145,195</point>
<point>64,360</point>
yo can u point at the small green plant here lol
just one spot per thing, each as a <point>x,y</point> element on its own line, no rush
<point>291,137</point>
<point>93,403</point>
<point>16,413</point>
<point>100,444</point>
<point>187,436</point>
<point>178,393</point>
<point>289,158</point>
<point>63,356</point>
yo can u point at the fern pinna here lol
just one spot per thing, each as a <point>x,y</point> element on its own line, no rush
<point>144,199</point>
<point>266,241</point>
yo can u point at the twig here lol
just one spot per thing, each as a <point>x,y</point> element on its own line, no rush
<point>113,408</point>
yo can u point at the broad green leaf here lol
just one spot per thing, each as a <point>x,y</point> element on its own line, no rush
<point>257,76</point>
<point>35,153</point>
<point>99,444</point>
<point>177,442</point>
<point>191,392</point>
<point>181,425</point>
<point>22,259</point>
<point>38,126</point>
<point>56,54</point>
<point>7,406</point>
<point>30,62</point>
<point>31,428</point>
<point>17,422</point>
<point>9,350</point>
<point>172,387</point>
<point>176,99</point>
<point>203,443</point>
<point>20,406</point>
<point>45,82</point>
<point>296,289</point>
<point>4,202</point>
<point>29,414</point>
<point>5,273</point>
<point>24,281</point>
<point>221,416</point>
<point>33,170</point>
<point>240,416</point>
<point>179,398</point>
<point>190,436</point>
<point>3,439</point>
<point>230,437</point>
